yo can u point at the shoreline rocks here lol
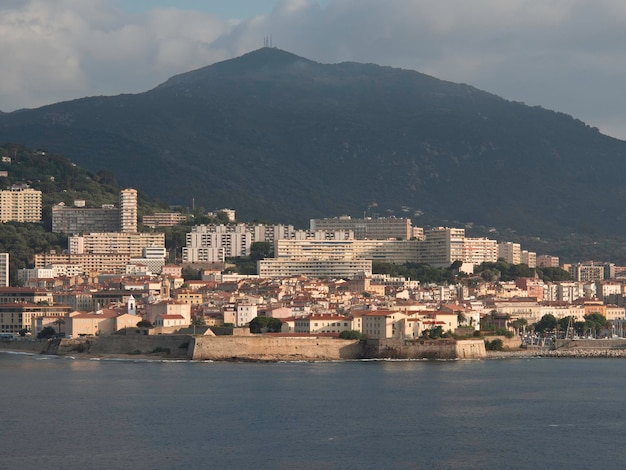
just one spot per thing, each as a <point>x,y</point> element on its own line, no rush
<point>574,352</point>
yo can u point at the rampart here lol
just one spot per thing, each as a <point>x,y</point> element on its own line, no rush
<point>171,346</point>
<point>267,348</point>
<point>34,346</point>
<point>425,349</point>
<point>253,348</point>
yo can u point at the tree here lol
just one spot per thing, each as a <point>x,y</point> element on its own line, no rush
<point>548,322</point>
<point>553,274</point>
<point>518,324</point>
<point>59,322</point>
<point>495,345</point>
<point>190,273</point>
<point>144,324</point>
<point>269,324</point>
<point>435,332</point>
<point>46,332</point>
<point>351,334</point>
<point>260,250</point>
<point>594,322</point>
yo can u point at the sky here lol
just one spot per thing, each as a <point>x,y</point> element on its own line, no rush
<point>564,55</point>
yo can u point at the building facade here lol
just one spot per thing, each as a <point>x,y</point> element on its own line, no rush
<point>442,246</point>
<point>382,228</point>
<point>19,203</point>
<point>128,211</point>
<point>4,270</point>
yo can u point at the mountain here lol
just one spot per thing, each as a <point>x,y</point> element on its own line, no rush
<point>283,138</point>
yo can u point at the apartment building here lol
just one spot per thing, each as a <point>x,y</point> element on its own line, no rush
<point>214,243</point>
<point>84,219</point>
<point>547,261</point>
<point>130,244</point>
<point>108,218</point>
<point>510,252</point>
<point>128,211</point>
<point>333,269</point>
<point>20,203</point>
<point>163,219</point>
<point>442,246</point>
<point>388,251</point>
<point>480,250</point>
<point>382,228</point>
<point>529,258</point>
<point>4,270</point>
<point>85,263</point>
<point>591,271</point>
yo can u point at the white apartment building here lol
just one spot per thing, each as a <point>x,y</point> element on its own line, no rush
<point>529,258</point>
<point>510,252</point>
<point>214,243</point>
<point>4,270</point>
<point>20,203</point>
<point>245,314</point>
<point>333,269</point>
<point>388,251</point>
<point>131,244</point>
<point>480,250</point>
<point>382,228</point>
<point>569,291</point>
<point>85,263</point>
<point>442,246</point>
<point>128,210</point>
<point>163,219</point>
<point>25,274</point>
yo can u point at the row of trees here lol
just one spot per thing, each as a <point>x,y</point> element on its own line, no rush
<point>592,324</point>
<point>498,271</point>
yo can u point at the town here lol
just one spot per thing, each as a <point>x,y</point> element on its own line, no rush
<point>317,282</point>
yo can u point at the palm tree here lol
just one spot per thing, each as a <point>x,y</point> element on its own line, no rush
<point>59,322</point>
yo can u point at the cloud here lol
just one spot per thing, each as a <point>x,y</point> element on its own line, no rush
<point>565,55</point>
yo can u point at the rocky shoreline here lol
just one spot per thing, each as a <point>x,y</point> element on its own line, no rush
<point>176,352</point>
<point>574,352</point>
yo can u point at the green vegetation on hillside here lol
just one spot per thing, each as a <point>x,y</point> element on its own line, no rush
<point>59,180</point>
<point>499,271</point>
<point>280,137</point>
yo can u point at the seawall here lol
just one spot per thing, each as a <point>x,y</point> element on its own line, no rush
<point>170,346</point>
<point>35,346</point>
<point>267,348</point>
<point>425,349</point>
<point>253,348</point>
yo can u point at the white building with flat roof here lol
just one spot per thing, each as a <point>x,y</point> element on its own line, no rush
<point>20,203</point>
<point>373,228</point>
<point>280,268</point>
<point>4,270</point>
<point>442,246</point>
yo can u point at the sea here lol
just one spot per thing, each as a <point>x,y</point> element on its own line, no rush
<point>522,413</point>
